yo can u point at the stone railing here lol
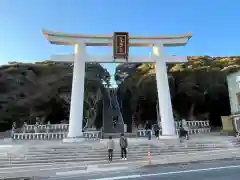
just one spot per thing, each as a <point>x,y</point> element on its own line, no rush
<point>192,124</point>
<point>194,127</point>
<point>92,135</point>
<point>46,127</point>
<point>39,136</point>
<point>88,135</point>
<point>142,133</point>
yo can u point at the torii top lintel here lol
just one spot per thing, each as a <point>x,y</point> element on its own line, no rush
<point>106,40</point>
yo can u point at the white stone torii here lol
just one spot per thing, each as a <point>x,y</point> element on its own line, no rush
<point>80,57</point>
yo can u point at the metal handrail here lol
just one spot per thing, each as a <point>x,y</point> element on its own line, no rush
<point>119,108</point>
<point>109,96</point>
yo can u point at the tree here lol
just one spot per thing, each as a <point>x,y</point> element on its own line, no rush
<point>43,86</point>
<point>194,86</point>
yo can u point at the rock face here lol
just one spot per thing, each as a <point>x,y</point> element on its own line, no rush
<point>40,90</point>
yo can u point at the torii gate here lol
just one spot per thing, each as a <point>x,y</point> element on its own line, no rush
<point>80,57</point>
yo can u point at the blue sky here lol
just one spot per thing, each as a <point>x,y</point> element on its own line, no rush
<point>215,25</point>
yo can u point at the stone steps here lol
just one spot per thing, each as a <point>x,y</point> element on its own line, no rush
<point>93,153</point>
<point>72,159</point>
<point>55,150</point>
<point>40,165</point>
<point>53,155</point>
<point>132,147</point>
<point>50,171</point>
<point>56,153</point>
<point>87,160</point>
<point>67,154</point>
<point>142,141</point>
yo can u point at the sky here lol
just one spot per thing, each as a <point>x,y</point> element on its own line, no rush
<point>215,25</point>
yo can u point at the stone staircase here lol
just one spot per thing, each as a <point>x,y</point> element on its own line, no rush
<point>25,158</point>
<point>117,112</point>
<point>92,152</point>
<point>134,126</point>
<point>110,111</point>
<point>234,142</point>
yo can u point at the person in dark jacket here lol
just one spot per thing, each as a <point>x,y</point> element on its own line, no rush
<point>148,128</point>
<point>156,130</point>
<point>123,145</point>
<point>114,121</point>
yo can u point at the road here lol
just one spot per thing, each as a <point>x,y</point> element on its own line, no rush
<point>211,170</point>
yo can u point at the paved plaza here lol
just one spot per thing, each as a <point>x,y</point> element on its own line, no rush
<point>214,170</point>
<point>54,158</point>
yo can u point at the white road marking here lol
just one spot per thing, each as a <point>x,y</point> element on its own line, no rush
<point>167,173</point>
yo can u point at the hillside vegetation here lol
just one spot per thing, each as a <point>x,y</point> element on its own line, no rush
<point>198,88</point>
<point>42,90</point>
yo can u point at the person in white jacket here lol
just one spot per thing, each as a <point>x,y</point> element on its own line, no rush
<point>185,128</point>
<point>110,146</point>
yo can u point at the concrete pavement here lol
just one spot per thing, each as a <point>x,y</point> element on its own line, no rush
<point>59,153</point>
<point>76,168</point>
<point>59,159</point>
<point>213,170</point>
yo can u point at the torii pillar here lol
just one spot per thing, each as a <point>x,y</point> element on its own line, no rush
<point>80,57</point>
<point>164,97</point>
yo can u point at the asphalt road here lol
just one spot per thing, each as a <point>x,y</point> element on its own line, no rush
<point>211,170</point>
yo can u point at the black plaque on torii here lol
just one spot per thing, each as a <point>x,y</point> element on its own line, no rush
<point>120,45</point>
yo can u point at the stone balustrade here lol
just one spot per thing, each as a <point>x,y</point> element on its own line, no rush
<point>192,124</point>
<point>59,131</point>
<point>46,127</point>
<point>195,127</point>
<point>39,136</point>
<point>88,135</point>
<point>142,133</point>
<point>92,135</point>
<point>199,130</point>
